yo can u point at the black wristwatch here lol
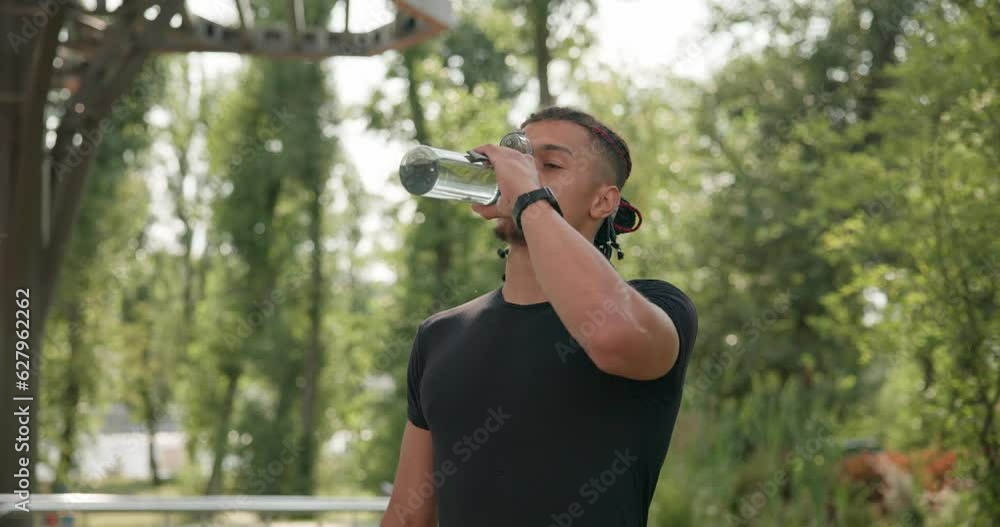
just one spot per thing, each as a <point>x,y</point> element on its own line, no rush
<point>522,202</point>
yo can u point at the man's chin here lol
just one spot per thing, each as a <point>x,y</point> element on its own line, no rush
<point>507,231</point>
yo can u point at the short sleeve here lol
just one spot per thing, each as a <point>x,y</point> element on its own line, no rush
<point>678,307</point>
<point>414,374</point>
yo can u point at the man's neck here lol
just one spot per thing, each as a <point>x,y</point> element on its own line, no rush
<point>520,285</point>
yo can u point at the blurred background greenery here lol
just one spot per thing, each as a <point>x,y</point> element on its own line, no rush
<point>827,196</point>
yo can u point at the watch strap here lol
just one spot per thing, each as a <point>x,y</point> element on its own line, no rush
<point>522,202</point>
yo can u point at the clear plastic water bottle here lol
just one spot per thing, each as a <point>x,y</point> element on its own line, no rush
<point>436,173</point>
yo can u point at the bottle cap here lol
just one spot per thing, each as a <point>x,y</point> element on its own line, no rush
<point>518,141</point>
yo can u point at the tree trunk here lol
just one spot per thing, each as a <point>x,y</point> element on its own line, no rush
<point>885,29</point>
<point>282,412</point>
<point>71,397</point>
<point>187,236</point>
<point>437,216</point>
<point>410,58</point>
<point>151,422</point>
<point>313,358</point>
<point>540,20</point>
<point>151,437</point>
<point>222,432</point>
<point>26,72</point>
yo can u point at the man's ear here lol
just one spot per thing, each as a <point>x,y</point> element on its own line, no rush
<point>605,202</point>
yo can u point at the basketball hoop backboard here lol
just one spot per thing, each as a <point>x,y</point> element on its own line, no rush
<point>437,13</point>
<point>238,32</point>
<point>415,22</point>
<point>422,19</point>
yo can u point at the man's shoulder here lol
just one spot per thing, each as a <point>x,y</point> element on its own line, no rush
<point>678,306</point>
<point>655,286</point>
<point>671,299</point>
<point>458,314</point>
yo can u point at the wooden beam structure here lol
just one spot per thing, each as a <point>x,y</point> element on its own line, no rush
<point>25,73</point>
<point>74,61</point>
<point>246,22</point>
<point>296,21</point>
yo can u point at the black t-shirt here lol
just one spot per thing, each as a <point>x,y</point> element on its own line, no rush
<point>527,431</point>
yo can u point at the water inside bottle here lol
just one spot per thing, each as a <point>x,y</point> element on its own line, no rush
<point>446,178</point>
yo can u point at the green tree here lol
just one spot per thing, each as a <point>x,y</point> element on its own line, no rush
<point>251,181</point>
<point>145,351</point>
<point>924,260</point>
<point>543,31</point>
<point>274,159</point>
<point>444,240</point>
<point>85,305</point>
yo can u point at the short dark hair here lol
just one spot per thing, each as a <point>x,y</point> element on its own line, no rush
<point>614,148</point>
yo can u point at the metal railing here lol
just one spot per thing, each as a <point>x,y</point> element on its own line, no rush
<point>212,507</point>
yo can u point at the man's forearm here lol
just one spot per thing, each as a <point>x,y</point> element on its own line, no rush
<point>623,333</point>
<point>399,514</point>
<point>575,277</point>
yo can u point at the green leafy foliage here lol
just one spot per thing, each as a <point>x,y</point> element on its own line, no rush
<point>827,198</point>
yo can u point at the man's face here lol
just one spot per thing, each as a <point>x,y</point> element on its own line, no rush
<point>573,164</point>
